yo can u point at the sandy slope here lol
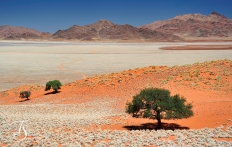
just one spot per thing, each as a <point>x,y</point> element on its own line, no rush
<point>207,85</point>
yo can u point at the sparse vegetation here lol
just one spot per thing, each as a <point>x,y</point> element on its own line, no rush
<point>169,78</point>
<point>225,72</point>
<point>186,79</point>
<point>217,78</point>
<point>157,103</point>
<point>55,85</point>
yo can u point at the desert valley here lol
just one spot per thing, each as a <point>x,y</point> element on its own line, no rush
<point>101,67</point>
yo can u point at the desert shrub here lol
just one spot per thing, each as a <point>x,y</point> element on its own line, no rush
<point>25,94</point>
<point>225,73</point>
<point>217,78</point>
<point>55,85</point>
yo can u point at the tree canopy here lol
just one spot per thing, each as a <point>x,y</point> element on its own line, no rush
<point>157,103</point>
<point>55,85</point>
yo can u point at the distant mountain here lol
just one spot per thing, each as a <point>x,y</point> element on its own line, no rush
<point>179,28</point>
<point>194,25</point>
<point>12,33</point>
<point>106,30</point>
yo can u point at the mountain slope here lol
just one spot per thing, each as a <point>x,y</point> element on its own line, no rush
<point>11,32</point>
<point>194,25</point>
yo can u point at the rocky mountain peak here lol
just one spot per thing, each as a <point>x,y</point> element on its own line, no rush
<point>217,14</point>
<point>189,16</point>
<point>100,25</point>
<point>104,22</point>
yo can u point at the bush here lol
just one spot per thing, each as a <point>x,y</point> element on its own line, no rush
<point>25,94</point>
<point>55,85</point>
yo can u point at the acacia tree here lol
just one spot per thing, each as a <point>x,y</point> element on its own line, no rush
<point>157,103</point>
<point>55,85</point>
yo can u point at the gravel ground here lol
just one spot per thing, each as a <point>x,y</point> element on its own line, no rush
<point>51,125</point>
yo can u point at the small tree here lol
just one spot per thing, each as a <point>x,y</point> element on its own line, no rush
<point>25,94</point>
<point>55,85</point>
<point>157,103</point>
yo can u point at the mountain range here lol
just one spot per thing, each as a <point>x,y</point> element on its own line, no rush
<point>179,28</point>
<point>106,30</point>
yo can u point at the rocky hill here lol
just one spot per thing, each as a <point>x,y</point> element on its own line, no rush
<point>106,30</point>
<point>12,33</point>
<point>194,25</point>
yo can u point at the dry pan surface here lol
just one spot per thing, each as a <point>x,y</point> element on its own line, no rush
<point>38,62</point>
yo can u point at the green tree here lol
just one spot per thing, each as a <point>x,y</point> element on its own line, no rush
<point>157,103</point>
<point>55,85</point>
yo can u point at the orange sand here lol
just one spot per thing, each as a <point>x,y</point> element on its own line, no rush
<point>207,85</point>
<point>198,47</point>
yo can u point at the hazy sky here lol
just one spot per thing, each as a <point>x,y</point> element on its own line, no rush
<point>53,15</point>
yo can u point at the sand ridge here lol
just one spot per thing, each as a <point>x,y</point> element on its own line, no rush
<point>207,85</point>
<point>198,47</point>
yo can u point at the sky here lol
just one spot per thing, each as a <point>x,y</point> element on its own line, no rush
<point>53,15</point>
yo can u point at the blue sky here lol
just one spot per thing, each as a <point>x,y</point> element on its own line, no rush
<point>53,15</point>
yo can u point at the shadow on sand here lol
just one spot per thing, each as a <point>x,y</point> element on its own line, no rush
<point>24,100</point>
<point>153,126</point>
<point>53,92</point>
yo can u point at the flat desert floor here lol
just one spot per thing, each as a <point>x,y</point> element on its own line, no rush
<point>38,62</point>
<point>99,79</point>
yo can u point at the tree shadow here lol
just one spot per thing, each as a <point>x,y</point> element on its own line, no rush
<point>153,126</point>
<point>24,100</point>
<point>53,92</point>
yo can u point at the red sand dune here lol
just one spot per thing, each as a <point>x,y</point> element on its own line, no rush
<point>207,85</point>
<point>198,47</point>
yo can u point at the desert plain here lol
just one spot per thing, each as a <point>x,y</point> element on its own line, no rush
<point>99,79</point>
